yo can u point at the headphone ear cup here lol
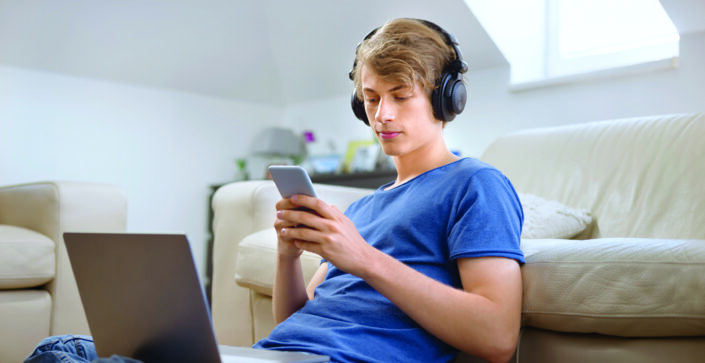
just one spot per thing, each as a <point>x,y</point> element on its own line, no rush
<point>458,96</point>
<point>449,98</point>
<point>436,104</point>
<point>358,108</point>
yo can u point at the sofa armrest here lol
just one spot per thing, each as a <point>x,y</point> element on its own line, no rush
<point>52,208</point>
<point>240,209</point>
<point>233,219</point>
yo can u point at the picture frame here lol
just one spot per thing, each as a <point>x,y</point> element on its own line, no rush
<point>365,158</point>
<point>351,152</point>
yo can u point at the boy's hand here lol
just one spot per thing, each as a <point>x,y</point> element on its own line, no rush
<point>326,232</point>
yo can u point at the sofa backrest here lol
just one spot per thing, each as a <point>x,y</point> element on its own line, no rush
<point>262,196</point>
<point>638,177</point>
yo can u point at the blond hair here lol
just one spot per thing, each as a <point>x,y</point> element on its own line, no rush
<point>403,51</point>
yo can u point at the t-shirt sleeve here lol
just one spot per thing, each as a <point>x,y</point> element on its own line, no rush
<point>488,219</point>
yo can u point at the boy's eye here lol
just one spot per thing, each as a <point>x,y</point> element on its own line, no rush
<point>402,95</point>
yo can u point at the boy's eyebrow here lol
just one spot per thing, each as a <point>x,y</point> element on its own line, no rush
<point>393,89</point>
<point>399,87</point>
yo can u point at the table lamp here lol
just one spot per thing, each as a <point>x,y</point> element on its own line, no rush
<point>275,145</point>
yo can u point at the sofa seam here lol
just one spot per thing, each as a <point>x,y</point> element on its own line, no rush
<point>619,316</point>
<point>613,262</point>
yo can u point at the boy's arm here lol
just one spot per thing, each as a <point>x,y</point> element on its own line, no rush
<point>289,292</point>
<point>287,297</point>
<point>483,319</point>
<point>316,280</point>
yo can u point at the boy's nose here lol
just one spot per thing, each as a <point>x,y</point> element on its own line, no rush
<point>385,111</point>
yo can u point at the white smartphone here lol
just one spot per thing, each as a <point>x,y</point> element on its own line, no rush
<point>291,180</point>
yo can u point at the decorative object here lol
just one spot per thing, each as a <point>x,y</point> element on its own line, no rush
<point>365,158</point>
<point>241,172</point>
<point>351,151</point>
<point>309,136</point>
<point>280,142</point>
<point>384,162</point>
<point>323,164</point>
<point>274,146</point>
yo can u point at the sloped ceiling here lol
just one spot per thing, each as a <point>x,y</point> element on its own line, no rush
<point>268,51</point>
<point>276,52</point>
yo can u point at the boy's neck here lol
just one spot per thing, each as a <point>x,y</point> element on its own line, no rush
<point>412,165</point>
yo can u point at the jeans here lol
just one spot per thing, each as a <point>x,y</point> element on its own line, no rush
<point>70,349</point>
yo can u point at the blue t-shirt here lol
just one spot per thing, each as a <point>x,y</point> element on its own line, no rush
<point>463,209</point>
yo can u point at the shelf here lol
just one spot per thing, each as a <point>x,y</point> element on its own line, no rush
<point>373,179</point>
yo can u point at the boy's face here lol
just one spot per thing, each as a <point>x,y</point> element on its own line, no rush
<point>401,116</point>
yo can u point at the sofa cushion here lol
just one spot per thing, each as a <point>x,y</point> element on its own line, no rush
<point>624,287</point>
<point>257,258</point>
<point>26,258</point>
<point>551,219</point>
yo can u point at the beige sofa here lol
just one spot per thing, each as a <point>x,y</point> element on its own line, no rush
<point>628,288</point>
<point>38,295</point>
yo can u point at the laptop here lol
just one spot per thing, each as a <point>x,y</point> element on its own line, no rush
<point>143,300</point>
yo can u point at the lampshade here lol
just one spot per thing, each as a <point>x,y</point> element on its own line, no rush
<point>277,141</point>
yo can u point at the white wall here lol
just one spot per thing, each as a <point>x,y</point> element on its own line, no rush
<point>493,110</point>
<point>163,148</point>
<point>166,148</point>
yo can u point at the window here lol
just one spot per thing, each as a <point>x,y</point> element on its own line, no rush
<point>557,39</point>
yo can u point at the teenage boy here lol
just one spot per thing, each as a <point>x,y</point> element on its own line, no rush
<point>428,264</point>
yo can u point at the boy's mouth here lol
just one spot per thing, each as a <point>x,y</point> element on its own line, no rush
<point>388,134</point>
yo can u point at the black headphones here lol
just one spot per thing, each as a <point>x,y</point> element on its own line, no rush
<point>447,99</point>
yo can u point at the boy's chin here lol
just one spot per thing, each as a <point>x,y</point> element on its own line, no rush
<point>389,150</point>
